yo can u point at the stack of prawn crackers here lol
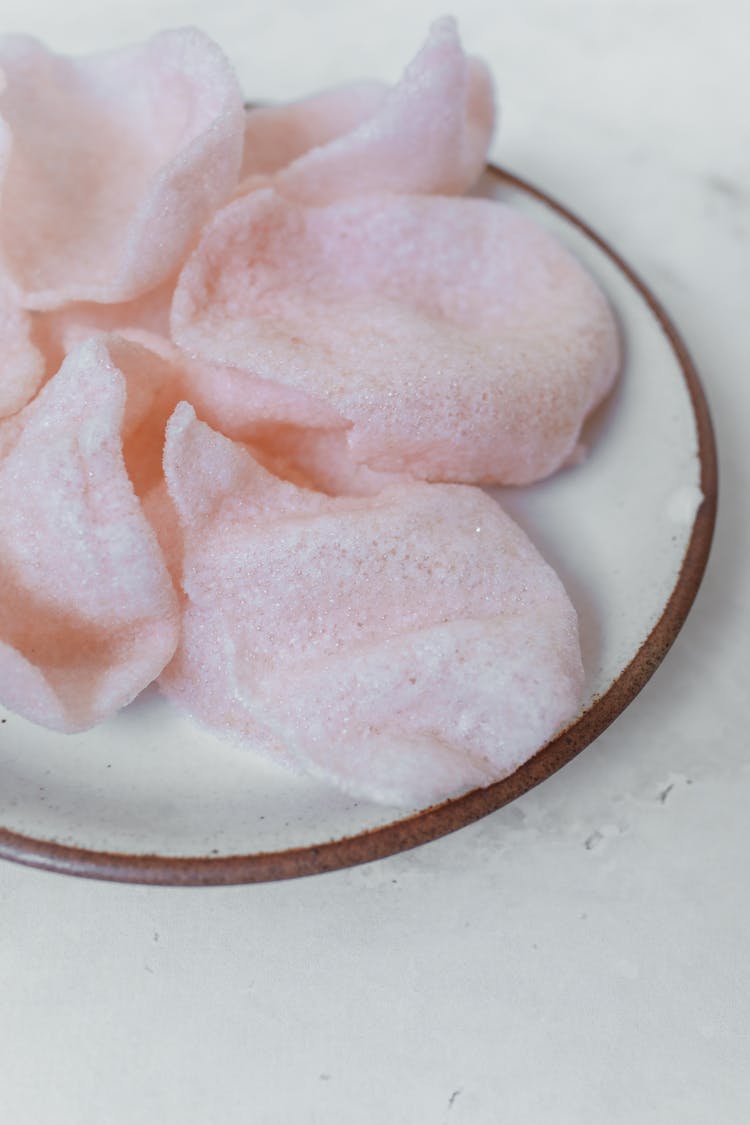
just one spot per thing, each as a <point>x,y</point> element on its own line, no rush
<point>254,366</point>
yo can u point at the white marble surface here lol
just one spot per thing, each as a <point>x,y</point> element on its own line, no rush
<point>582,955</point>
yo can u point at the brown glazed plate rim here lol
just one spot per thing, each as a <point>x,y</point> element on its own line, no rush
<point>439,820</point>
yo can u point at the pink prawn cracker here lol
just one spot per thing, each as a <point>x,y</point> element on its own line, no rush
<point>428,133</point>
<point>406,647</point>
<point>457,339</point>
<point>110,164</point>
<point>88,612</point>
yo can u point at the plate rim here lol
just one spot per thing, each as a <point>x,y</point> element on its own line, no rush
<point>448,816</point>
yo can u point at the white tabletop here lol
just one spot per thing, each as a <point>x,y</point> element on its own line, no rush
<point>579,956</point>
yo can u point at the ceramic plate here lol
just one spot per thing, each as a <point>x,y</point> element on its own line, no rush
<point>148,797</point>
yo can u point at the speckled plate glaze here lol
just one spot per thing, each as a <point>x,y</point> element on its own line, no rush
<point>149,798</point>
